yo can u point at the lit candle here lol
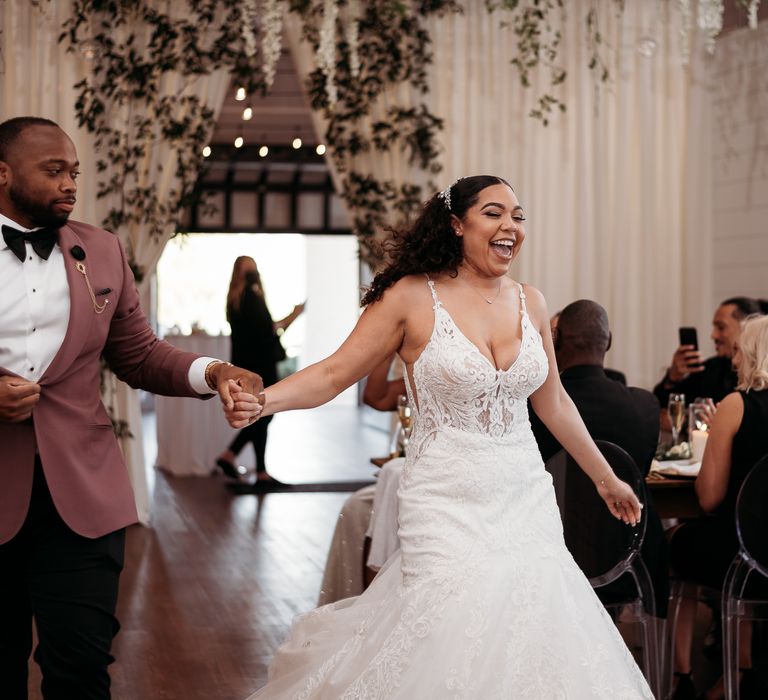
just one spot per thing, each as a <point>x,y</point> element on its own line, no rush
<point>698,443</point>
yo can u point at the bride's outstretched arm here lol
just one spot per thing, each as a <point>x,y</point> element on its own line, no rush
<point>558,412</point>
<point>376,336</point>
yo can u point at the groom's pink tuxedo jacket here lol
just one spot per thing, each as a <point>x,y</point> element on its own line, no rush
<point>81,459</point>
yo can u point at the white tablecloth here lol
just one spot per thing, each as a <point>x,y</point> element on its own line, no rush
<point>382,528</point>
<point>192,433</point>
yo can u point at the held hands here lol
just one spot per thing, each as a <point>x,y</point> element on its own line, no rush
<point>686,360</point>
<point>18,398</point>
<point>620,499</point>
<point>241,393</point>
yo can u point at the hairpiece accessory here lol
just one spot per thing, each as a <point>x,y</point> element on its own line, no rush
<point>445,195</point>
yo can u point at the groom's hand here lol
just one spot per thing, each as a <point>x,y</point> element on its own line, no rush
<point>17,398</point>
<point>239,410</point>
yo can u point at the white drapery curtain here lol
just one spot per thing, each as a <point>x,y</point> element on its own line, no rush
<point>616,189</point>
<point>36,78</point>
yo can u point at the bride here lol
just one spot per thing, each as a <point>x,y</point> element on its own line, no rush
<point>483,600</point>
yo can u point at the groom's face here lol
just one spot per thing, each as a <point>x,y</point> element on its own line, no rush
<point>37,179</point>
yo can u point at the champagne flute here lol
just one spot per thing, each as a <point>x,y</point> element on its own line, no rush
<point>676,411</point>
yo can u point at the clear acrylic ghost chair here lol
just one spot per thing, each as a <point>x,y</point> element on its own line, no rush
<point>752,529</point>
<point>605,548</point>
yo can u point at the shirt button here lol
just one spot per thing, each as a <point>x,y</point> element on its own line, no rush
<point>31,369</point>
<point>30,257</point>
<point>34,290</point>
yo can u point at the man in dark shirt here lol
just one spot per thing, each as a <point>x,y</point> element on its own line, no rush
<point>626,416</point>
<point>715,377</point>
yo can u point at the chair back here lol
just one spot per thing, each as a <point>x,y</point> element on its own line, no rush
<point>752,516</point>
<point>602,546</point>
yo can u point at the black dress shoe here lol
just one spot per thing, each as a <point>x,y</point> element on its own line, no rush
<point>684,690</point>
<point>227,468</point>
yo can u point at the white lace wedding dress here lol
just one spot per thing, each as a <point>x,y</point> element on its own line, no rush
<point>483,601</point>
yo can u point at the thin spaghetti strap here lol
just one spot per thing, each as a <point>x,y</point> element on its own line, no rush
<point>433,292</point>
<point>522,298</point>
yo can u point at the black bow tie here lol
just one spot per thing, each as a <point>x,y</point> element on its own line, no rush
<point>42,241</point>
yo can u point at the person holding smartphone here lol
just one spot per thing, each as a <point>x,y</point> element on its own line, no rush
<point>714,377</point>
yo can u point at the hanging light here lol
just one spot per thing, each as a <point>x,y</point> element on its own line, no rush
<point>247,114</point>
<point>296,143</point>
<point>206,151</point>
<point>320,150</point>
<point>239,142</point>
<point>240,94</point>
<point>263,151</point>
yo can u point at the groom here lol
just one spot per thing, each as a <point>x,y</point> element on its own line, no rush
<point>68,299</point>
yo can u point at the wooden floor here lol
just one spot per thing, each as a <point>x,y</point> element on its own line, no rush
<point>210,590</point>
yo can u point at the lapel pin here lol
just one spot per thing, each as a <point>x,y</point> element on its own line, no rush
<point>79,254</point>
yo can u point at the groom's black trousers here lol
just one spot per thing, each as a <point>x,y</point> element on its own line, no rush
<point>68,583</point>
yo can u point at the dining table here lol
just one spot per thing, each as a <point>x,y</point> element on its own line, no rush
<point>674,498</point>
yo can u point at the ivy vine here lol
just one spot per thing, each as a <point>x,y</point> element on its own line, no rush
<point>123,103</point>
<point>393,47</point>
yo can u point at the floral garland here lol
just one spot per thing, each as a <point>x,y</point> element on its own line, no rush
<point>710,21</point>
<point>326,49</point>
<point>247,31</point>
<point>272,39</point>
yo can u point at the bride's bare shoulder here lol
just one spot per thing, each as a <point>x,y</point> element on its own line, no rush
<point>408,295</point>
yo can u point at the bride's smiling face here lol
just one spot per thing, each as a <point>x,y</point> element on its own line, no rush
<point>492,231</point>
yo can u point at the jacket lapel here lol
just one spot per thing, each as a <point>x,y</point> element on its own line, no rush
<point>80,308</point>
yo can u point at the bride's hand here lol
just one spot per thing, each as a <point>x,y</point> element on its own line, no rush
<point>246,408</point>
<point>620,499</point>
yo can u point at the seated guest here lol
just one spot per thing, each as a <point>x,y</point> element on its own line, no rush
<point>610,373</point>
<point>715,377</point>
<point>701,550</point>
<point>381,391</point>
<point>626,416</point>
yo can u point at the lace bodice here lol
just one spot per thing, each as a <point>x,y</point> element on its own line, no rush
<point>456,386</point>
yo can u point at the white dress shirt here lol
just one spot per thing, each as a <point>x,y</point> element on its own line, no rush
<point>34,312</point>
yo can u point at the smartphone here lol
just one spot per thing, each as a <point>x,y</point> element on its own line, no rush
<point>688,336</point>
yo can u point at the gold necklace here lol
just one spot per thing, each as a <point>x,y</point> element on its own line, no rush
<point>482,296</point>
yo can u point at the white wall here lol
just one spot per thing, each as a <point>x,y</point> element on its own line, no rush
<point>740,165</point>
<point>332,299</point>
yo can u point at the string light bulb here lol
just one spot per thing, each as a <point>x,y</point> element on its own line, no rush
<point>240,94</point>
<point>239,142</point>
<point>263,151</point>
<point>320,150</point>
<point>206,151</point>
<point>296,143</point>
<point>247,114</point>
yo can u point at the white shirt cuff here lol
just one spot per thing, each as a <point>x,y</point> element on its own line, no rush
<point>197,375</point>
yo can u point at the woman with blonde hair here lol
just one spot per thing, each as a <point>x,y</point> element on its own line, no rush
<point>701,550</point>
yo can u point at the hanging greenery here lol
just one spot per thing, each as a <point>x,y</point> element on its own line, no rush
<point>131,47</point>
<point>391,47</point>
<point>363,49</point>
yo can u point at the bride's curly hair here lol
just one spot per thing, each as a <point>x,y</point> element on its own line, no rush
<point>430,245</point>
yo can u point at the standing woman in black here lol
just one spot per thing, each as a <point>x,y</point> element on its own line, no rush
<point>255,346</point>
